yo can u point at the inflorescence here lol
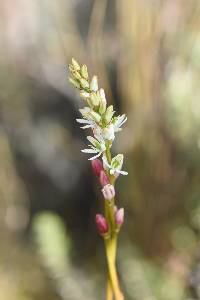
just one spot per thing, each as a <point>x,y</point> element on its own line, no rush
<point>104,124</point>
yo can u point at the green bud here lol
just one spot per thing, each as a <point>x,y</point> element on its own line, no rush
<point>84,83</point>
<point>74,82</point>
<point>84,72</point>
<point>94,84</point>
<point>94,99</point>
<point>108,114</point>
<point>75,65</point>
<point>89,102</point>
<point>102,108</point>
<point>95,116</point>
<point>103,103</point>
<point>77,75</point>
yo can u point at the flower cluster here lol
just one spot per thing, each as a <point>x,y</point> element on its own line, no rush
<point>101,119</point>
<point>97,116</point>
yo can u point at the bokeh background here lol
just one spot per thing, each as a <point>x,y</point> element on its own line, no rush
<point>146,54</point>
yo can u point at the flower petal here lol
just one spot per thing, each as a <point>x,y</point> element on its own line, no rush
<point>122,172</point>
<point>86,126</point>
<point>119,122</point>
<point>95,156</point>
<point>89,151</point>
<point>94,142</point>
<point>106,162</point>
<point>84,121</point>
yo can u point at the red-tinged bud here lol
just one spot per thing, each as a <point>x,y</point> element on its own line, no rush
<point>97,166</point>
<point>102,224</point>
<point>108,191</point>
<point>103,178</point>
<point>119,216</point>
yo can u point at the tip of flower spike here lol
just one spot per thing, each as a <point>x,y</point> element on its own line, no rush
<point>75,64</point>
<point>84,71</point>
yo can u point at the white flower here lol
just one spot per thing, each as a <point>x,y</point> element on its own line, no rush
<point>118,122</point>
<point>97,131</point>
<point>89,123</point>
<point>116,164</point>
<point>98,146</point>
<point>109,114</point>
<point>108,132</point>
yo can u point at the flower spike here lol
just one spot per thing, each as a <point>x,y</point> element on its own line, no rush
<point>103,122</point>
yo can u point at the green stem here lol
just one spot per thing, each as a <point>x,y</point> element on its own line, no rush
<point>111,243</point>
<point>111,246</point>
<point>109,291</point>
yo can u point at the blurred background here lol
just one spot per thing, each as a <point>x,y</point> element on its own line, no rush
<point>146,54</point>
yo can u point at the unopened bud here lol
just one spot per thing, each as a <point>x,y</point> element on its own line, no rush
<point>71,68</point>
<point>77,75</point>
<point>94,84</point>
<point>103,178</point>
<point>109,113</point>
<point>75,65</point>
<point>95,116</point>
<point>84,71</point>
<point>94,99</point>
<point>108,191</point>
<point>103,103</point>
<point>102,224</point>
<point>119,216</point>
<point>84,83</point>
<point>74,82</point>
<point>97,166</point>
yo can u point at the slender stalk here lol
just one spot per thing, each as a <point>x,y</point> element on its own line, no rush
<point>111,255</point>
<point>111,243</point>
<point>109,291</point>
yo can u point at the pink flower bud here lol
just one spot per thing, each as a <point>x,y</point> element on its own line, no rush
<point>97,166</point>
<point>119,216</point>
<point>102,224</point>
<point>103,178</point>
<point>108,191</point>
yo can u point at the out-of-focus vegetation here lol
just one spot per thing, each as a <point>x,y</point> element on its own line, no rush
<point>147,56</point>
